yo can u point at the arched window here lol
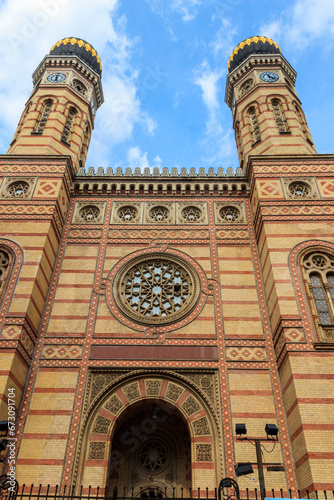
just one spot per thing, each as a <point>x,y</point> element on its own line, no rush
<point>43,116</point>
<point>278,113</point>
<point>319,270</point>
<point>85,144</point>
<point>67,131</point>
<point>5,268</point>
<point>255,127</point>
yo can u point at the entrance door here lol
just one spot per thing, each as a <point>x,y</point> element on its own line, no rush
<point>150,453</point>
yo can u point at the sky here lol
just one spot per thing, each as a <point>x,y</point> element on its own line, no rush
<point>164,71</point>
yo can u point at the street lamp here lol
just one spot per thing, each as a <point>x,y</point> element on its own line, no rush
<point>244,469</point>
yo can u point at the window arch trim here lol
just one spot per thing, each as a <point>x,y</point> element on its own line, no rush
<point>16,260</point>
<point>321,336</point>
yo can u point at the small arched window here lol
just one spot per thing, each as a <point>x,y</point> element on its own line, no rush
<point>43,116</point>
<point>255,127</point>
<point>319,270</point>
<point>68,127</point>
<point>279,116</point>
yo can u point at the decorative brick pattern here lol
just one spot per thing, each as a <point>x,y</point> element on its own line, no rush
<point>61,352</point>
<point>246,354</point>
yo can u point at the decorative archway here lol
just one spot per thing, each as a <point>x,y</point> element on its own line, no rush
<point>136,413</point>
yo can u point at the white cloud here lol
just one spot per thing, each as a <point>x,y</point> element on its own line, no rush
<point>27,32</point>
<point>136,158</point>
<point>302,24</point>
<point>188,9</point>
<point>208,80</point>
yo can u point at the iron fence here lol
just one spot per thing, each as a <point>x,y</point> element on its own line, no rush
<point>50,492</point>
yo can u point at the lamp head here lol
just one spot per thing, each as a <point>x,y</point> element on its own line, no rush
<point>271,431</point>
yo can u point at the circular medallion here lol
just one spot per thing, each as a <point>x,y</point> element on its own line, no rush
<point>156,289</point>
<point>269,76</point>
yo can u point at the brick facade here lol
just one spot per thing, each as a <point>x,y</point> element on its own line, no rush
<point>93,383</point>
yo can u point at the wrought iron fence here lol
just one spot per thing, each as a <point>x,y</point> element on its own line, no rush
<point>40,492</point>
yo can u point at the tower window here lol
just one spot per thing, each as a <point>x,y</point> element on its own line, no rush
<point>254,124</point>
<point>79,87</point>
<point>301,121</point>
<point>278,113</point>
<point>66,135</point>
<point>319,269</point>
<point>43,117</point>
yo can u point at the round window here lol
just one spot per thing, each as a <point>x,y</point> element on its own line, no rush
<point>299,189</point>
<point>127,213</point>
<point>191,214</point>
<point>90,213</point>
<point>153,455</point>
<point>159,214</point>
<point>229,214</point>
<point>18,189</point>
<point>156,289</point>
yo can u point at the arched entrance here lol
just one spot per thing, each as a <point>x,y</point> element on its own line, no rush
<point>150,452</point>
<point>143,431</point>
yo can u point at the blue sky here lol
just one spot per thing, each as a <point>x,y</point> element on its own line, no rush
<point>164,75</point>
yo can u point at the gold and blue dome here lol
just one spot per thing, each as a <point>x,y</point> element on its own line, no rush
<point>72,46</point>
<point>250,46</point>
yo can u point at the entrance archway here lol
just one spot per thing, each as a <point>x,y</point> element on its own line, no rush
<point>155,423</point>
<point>150,452</point>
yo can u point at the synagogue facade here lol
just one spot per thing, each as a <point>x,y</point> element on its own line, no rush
<point>144,314</point>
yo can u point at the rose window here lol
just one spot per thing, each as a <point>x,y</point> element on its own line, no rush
<point>153,455</point>
<point>229,214</point>
<point>89,213</point>
<point>156,289</point>
<point>159,214</point>
<point>191,214</point>
<point>299,189</point>
<point>127,213</point>
<point>18,189</point>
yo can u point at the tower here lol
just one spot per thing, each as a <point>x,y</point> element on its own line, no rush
<point>146,315</point>
<point>267,114</point>
<point>59,116</point>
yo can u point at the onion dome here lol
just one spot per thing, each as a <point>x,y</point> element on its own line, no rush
<point>76,47</point>
<point>250,46</point>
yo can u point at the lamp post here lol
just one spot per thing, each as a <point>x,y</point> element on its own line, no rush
<point>241,470</point>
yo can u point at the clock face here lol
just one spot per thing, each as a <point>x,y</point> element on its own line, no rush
<point>269,76</point>
<point>56,77</point>
<point>92,105</point>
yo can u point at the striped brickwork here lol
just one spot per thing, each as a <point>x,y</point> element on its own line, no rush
<point>30,228</point>
<point>285,227</point>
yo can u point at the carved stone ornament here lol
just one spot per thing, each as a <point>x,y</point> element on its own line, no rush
<point>191,406</point>
<point>300,188</point>
<point>96,451</point>
<point>86,212</point>
<point>153,387</point>
<point>17,188</point>
<point>156,289</point>
<point>101,425</point>
<point>114,404</point>
<point>79,87</point>
<point>173,392</point>
<point>203,453</point>
<point>191,213</point>
<point>126,213</point>
<point>131,391</point>
<point>159,213</point>
<point>201,427</point>
<point>230,213</point>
